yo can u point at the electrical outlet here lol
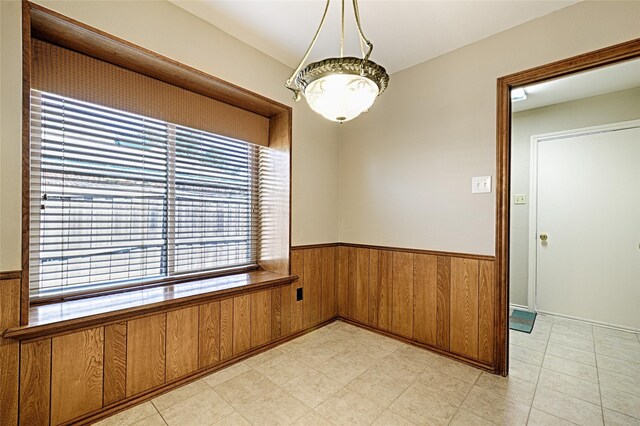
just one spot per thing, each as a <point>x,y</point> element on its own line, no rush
<point>480,184</point>
<point>299,294</point>
<point>520,199</point>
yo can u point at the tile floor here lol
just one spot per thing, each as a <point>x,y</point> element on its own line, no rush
<point>564,372</point>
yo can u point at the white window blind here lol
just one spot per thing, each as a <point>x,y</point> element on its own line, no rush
<point>119,199</point>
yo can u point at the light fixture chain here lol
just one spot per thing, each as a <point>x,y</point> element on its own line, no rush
<point>342,33</point>
<point>356,12</point>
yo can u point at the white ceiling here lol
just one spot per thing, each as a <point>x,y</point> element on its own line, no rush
<point>613,78</point>
<point>404,33</point>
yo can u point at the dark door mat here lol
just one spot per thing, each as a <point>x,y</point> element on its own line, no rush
<point>522,320</point>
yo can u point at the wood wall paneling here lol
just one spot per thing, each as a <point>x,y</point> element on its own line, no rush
<point>385,290</point>
<point>374,286</point>
<point>146,343</point>
<point>115,363</point>
<point>260,318</point>
<point>328,291</point>
<point>312,287</point>
<point>486,311</point>
<point>35,382</point>
<point>226,329</point>
<point>443,302</point>
<point>402,299</point>
<point>9,350</point>
<point>464,306</point>
<point>209,330</point>
<point>280,312</point>
<point>182,342</point>
<point>343,281</point>
<point>297,306</point>
<point>425,289</point>
<point>361,295</point>
<point>241,324</point>
<point>76,374</point>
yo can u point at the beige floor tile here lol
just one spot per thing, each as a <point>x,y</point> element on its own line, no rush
<point>523,339</point>
<point>312,355</point>
<point>347,407</point>
<point>621,382</point>
<point>341,371</point>
<point>249,385</point>
<point>616,340</point>
<point>524,371</point>
<point>180,394</point>
<point>580,333</point>
<point>413,359</point>
<point>282,369</point>
<point>263,357</point>
<point>526,355</point>
<point>312,418</point>
<point>571,368</point>
<point>613,418</point>
<point>448,388</point>
<point>466,418</point>
<point>233,419</point>
<point>203,409</point>
<point>508,387</point>
<point>389,418</point>
<point>225,374</point>
<point>569,385</point>
<point>567,407</point>
<point>274,408</point>
<point>423,408</point>
<point>398,367</point>
<point>153,420</point>
<point>572,342</point>
<point>455,369</point>
<point>605,331</point>
<point>617,365</point>
<point>572,354</point>
<point>574,324</point>
<point>378,387</point>
<point>494,408</point>
<point>540,418</point>
<point>130,416</point>
<point>312,388</point>
<point>358,353</point>
<point>620,351</point>
<point>622,402</point>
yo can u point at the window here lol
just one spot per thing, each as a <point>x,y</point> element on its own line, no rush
<point>119,199</point>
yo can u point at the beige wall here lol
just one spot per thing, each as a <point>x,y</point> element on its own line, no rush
<point>163,27</point>
<point>406,166</point>
<point>593,111</point>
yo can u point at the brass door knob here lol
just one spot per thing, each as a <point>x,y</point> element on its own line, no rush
<point>544,236</point>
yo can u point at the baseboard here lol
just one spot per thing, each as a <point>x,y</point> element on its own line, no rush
<point>592,322</point>
<point>519,307</point>
<point>124,404</point>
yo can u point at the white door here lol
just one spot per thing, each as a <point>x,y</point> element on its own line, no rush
<point>588,205</point>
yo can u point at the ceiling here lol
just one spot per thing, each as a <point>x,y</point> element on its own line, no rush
<point>404,33</point>
<point>613,78</point>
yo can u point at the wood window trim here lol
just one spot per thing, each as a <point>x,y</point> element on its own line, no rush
<point>51,26</point>
<point>597,58</point>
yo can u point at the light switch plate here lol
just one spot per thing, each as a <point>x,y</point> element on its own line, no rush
<point>480,184</point>
<point>520,199</point>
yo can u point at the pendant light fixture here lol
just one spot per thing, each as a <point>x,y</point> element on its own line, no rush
<point>339,89</point>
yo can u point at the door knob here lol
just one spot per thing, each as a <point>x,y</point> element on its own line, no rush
<point>544,236</point>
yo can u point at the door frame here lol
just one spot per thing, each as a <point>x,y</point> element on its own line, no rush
<point>532,284</point>
<point>608,55</point>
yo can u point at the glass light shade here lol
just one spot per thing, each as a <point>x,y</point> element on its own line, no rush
<point>341,97</point>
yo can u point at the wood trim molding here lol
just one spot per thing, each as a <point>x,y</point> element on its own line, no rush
<point>609,55</point>
<point>10,275</point>
<point>399,249</point>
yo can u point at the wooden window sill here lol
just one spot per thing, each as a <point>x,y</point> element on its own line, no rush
<point>62,317</point>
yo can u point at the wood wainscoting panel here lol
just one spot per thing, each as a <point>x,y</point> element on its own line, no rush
<point>35,382</point>
<point>297,306</point>
<point>374,286</point>
<point>226,329</point>
<point>260,318</point>
<point>361,285</point>
<point>312,286</point>
<point>182,342</point>
<point>280,312</point>
<point>9,350</point>
<point>486,311</point>
<point>209,331</point>
<point>443,302</point>
<point>402,299</point>
<point>328,291</point>
<point>76,374</point>
<point>464,306</point>
<point>115,363</point>
<point>343,281</point>
<point>425,289</point>
<point>146,343</point>
<point>241,324</point>
<point>385,292</point>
